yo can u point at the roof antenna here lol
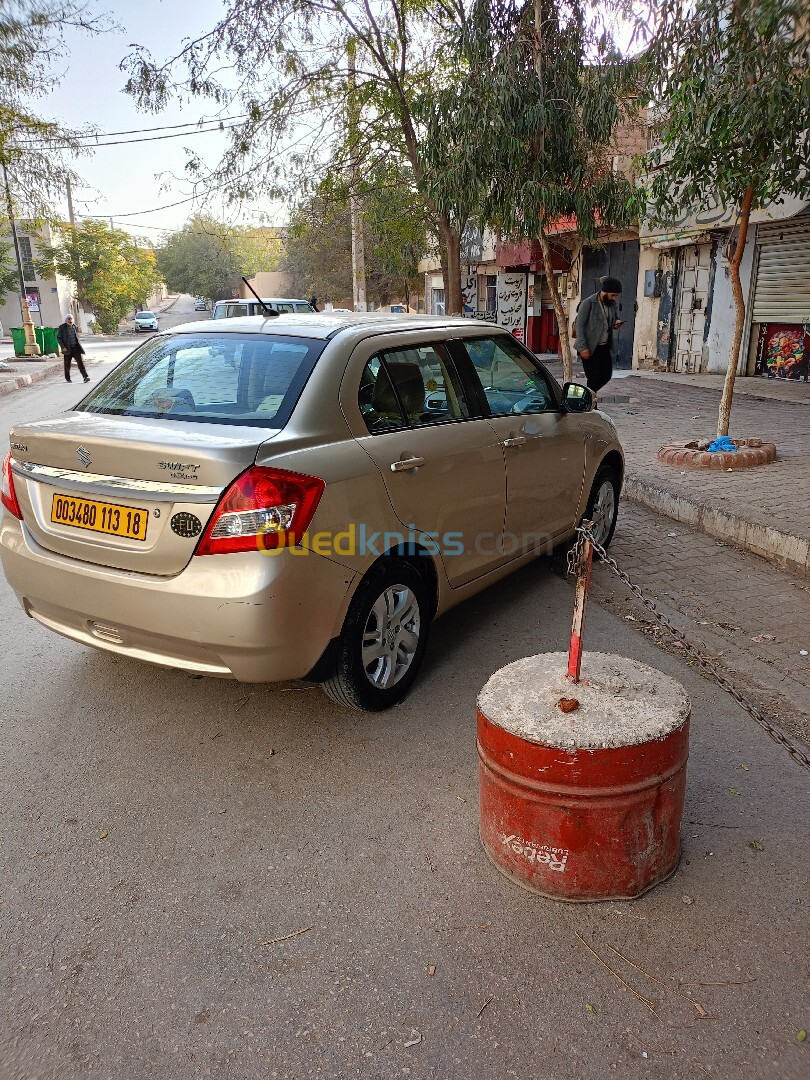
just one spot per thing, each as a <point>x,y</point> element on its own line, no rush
<point>267,310</point>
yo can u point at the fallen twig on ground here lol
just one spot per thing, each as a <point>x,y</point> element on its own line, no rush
<point>489,999</point>
<point>286,937</point>
<point>698,1007</point>
<point>645,1001</point>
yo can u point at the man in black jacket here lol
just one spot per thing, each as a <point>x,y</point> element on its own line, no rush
<point>71,347</point>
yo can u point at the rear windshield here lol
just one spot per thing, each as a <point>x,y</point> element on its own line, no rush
<point>245,379</point>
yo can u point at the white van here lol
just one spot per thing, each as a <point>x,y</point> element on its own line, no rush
<point>232,309</point>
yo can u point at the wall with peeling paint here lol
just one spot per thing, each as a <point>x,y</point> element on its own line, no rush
<point>654,317</point>
<point>721,327</point>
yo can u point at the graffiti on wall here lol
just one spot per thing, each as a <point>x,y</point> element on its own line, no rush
<point>469,293</point>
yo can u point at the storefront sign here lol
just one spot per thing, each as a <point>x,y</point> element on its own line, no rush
<point>512,289</point>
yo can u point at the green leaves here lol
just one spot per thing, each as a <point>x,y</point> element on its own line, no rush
<point>111,272</point>
<point>318,248</point>
<point>207,258</point>
<point>731,84</point>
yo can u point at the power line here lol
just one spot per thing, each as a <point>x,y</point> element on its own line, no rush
<point>161,127</point>
<point>210,191</point>
<point>127,142</point>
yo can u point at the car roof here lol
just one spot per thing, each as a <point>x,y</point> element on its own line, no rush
<point>326,324</point>
<point>265,300</point>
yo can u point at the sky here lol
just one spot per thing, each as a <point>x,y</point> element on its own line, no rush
<point>121,180</point>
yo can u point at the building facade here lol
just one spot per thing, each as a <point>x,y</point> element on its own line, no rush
<point>686,312</point>
<point>48,298</point>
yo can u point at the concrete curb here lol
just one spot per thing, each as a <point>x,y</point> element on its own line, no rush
<point>11,383</point>
<point>783,549</point>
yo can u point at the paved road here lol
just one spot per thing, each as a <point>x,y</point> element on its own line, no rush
<point>177,312</point>
<point>153,850</point>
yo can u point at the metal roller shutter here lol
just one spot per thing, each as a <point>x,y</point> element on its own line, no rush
<point>782,292</point>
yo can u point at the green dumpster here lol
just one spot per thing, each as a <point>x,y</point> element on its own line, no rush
<point>51,342</point>
<point>18,337</point>
<point>46,339</point>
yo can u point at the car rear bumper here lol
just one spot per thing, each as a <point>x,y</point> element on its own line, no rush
<point>253,617</point>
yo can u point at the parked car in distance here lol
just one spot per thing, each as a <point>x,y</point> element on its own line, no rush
<point>146,320</point>
<point>299,497</point>
<point>200,304</point>
<point>235,309</point>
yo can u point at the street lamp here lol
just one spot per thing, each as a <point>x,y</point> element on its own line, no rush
<point>31,347</point>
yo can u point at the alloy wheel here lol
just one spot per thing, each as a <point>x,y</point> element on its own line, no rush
<point>604,511</point>
<point>391,636</point>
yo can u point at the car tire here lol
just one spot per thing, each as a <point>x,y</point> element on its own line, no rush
<point>603,505</point>
<point>383,639</point>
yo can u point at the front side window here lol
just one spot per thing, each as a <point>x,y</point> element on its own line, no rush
<point>243,379</point>
<point>510,381</point>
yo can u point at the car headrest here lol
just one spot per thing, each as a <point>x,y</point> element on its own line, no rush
<point>410,387</point>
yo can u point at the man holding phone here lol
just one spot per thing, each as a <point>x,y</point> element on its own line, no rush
<point>596,321</point>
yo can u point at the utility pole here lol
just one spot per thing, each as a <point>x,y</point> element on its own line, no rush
<point>74,304</point>
<point>358,247</point>
<point>31,347</point>
<point>71,215</point>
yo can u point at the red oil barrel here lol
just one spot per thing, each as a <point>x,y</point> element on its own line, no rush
<point>586,804</point>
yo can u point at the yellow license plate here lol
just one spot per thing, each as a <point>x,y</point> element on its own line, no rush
<point>100,517</point>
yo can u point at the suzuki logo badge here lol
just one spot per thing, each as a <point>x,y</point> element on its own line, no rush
<point>83,456</point>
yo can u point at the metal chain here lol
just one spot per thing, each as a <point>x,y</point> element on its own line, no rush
<point>707,663</point>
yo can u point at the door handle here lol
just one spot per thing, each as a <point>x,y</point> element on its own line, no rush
<point>406,464</point>
<point>515,440</point>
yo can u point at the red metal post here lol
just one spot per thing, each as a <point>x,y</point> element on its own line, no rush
<point>580,603</point>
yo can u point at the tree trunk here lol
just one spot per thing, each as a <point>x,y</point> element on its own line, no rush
<point>559,311</point>
<point>450,239</point>
<point>739,308</point>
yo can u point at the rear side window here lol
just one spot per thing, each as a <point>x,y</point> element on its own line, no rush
<point>243,379</point>
<point>378,400</point>
<point>410,387</point>
<point>230,310</point>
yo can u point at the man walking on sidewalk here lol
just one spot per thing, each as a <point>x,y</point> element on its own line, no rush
<point>71,347</point>
<point>596,321</point>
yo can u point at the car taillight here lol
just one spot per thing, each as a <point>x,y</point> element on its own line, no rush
<point>8,496</point>
<point>263,508</point>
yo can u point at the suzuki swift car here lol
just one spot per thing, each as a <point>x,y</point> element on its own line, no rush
<point>298,497</point>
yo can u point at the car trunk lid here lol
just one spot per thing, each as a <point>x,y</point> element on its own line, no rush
<point>132,493</point>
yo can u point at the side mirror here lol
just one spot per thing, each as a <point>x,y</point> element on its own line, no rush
<point>578,398</point>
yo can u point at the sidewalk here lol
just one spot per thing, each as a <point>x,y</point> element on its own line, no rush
<point>764,510</point>
<point>750,616</point>
<point>22,374</point>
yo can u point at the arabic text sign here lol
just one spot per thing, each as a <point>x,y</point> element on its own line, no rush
<point>717,217</point>
<point>512,302</point>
